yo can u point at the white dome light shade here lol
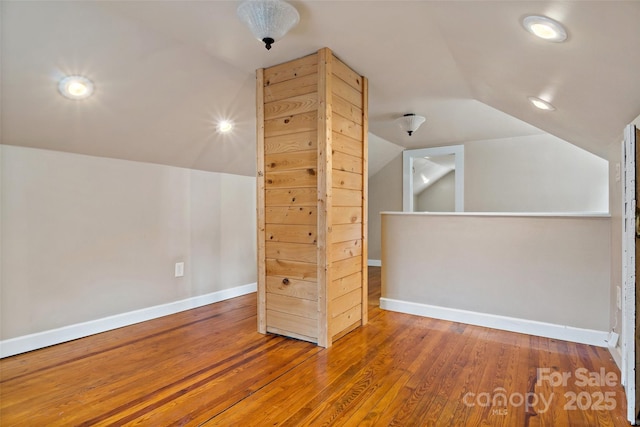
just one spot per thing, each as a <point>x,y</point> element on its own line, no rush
<point>541,104</point>
<point>410,122</point>
<point>75,87</point>
<point>545,28</point>
<point>268,20</point>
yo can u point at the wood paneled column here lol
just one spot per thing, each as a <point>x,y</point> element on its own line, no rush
<point>312,198</point>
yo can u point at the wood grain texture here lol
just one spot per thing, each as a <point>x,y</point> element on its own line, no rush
<point>347,163</point>
<point>305,122</point>
<point>325,193</point>
<point>208,366</point>
<point>347,145</point>
<point>290,106</point>
<point>345,285</point>
<point>346,197</point>
<point>292,269</point>
<point>291,179</point>
<point>292,287</point>
<point>299,141</point>
<point>260,200</point>
<point>291,325</point>
<point>345,302</point>
<point>348,110</point>
<point>291,161</point>
<point>349,76</point>
<point>347,92</point>
<point>307,104</point>
<point>292,305</point>
<point>286,215</point>
<point>347,214</point>
<point>344,250</point>
<point>291,233</point>
<point>291,70</point>
<point>291,251</point>
<point>344,232</point>
<point>365,195</point>
<point>346,320</point>
<point>347,180</point>
<point>346,267</point>
<point>291,88</point>
<point>292,196</point>
<point>346,127</point>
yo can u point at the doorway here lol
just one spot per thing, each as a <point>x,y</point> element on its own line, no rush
<point>424,166</point>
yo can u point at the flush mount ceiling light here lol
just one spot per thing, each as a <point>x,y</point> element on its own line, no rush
<point>268,20</point>
<point>75,87</point>
<point>410,122</point>
<point>541,104</point>
<point>225,126</point>
<point>545,28</point>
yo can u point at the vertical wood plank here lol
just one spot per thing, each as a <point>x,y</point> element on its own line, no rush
<point>260,202</point>
<point>325,167</point>
<point>365,198</point>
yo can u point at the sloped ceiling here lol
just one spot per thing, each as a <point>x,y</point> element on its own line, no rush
<point>427,171</point>
<point>166,71</point>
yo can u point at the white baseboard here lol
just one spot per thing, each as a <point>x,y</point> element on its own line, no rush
<point>43,339</point>
<point>512,324</point>
<point>374,263</point>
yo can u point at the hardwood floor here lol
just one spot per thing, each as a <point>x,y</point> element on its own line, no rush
<point>209,366</point>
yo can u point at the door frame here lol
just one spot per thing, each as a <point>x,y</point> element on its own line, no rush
<point>407,173</point>
<point>629,266</point>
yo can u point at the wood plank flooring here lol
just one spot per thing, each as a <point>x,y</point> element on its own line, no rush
<point>209,366</point>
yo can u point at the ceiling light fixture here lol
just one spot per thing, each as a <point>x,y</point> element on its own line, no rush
<point>410,122</point>
<point>225,126</point>
<point>268,20</point>
<point>75,87</point>
<point>541,104</point>
<point>545,28</point>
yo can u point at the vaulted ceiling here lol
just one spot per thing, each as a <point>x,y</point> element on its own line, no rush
<point>166,71</point>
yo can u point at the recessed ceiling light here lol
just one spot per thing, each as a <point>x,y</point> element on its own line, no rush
<point>541,104</point>
<point>225,126</point>
<point>75,87</point>
<point>545,28</point>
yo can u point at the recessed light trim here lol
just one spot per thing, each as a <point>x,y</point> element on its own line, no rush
<point>225,126</point>
<point>545,28</point>
<point>76,87</point>
<point>541,104</point>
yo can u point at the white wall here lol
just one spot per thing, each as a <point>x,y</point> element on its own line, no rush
<point>439,196</point>
<point>87,237</point>
<point>539,173</point>
<point>551,269</point>
<point>385,194</point>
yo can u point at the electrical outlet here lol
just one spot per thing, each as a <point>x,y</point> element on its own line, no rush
<point>619,297</point>
<point>179,270</point>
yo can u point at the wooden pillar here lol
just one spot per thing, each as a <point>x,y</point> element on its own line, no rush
<point>312,198</point>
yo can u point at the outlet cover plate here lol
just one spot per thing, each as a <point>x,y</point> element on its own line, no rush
<point>179,270</point>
